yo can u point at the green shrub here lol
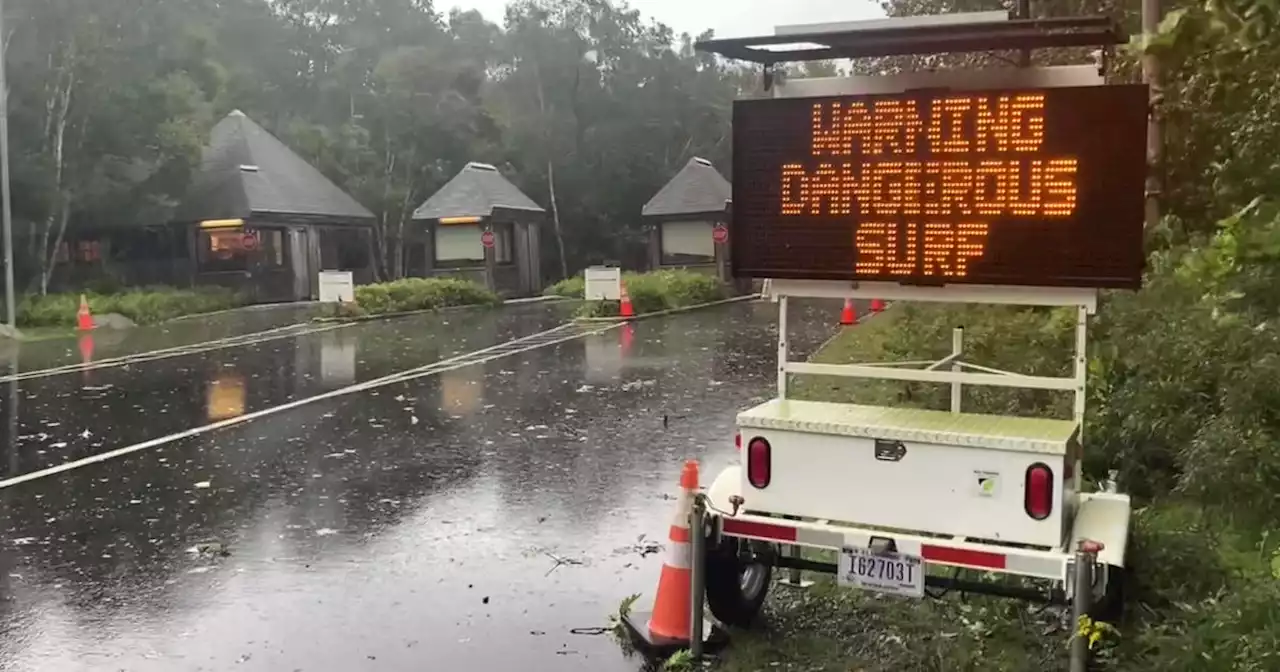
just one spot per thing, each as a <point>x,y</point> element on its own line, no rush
<point>569,288</point>
<point>411,294</point>
<point>658,291</point>
<point>143,305</point>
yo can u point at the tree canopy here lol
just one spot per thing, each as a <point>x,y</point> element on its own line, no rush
<point>586,105</point>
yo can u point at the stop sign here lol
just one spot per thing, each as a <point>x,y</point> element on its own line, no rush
<point>720,234</point>
<point>487,239</point>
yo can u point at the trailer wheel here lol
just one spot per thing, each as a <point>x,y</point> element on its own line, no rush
<point>738,575</point>
<point>1108,606</point>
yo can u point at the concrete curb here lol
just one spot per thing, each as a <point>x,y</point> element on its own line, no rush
<point>446,309</point>
<point>663,313</point>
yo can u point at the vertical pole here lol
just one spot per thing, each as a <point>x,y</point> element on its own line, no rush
<point>1023,11</point>
<point>782,347</point>
<point>1081,366</point>
<point>957,347</point>
<point>11,308</point>
<point>698,542</point>
<point>1155,149</point>
<point>1081,602</point>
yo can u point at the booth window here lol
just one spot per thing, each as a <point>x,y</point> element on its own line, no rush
<point>222,250</point>
<point>271,246</point>
<point>687,243</point>
<point>458,245</point>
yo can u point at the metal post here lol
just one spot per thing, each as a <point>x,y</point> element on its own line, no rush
<point>957,347</point>
<point>697,581</point>
<point>1023,9</point>
<point>1081,368</point>
<point>1081,602</point>
<point>11,307</point>
<point>1155,153</point>
<point>782,347</point>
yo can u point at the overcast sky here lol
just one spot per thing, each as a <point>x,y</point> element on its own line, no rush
<point>729,18</point>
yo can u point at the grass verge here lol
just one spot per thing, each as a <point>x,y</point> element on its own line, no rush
<point>1201,592</point>
<point>651,292</point>
<point>144,305</point>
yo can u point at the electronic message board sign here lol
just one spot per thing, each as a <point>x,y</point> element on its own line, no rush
<point>1038,187</point>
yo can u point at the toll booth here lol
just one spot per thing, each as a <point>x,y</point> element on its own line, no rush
<point>481,227</point>
<point>688,221</point>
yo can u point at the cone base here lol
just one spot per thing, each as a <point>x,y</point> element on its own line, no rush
<point>637,626</point>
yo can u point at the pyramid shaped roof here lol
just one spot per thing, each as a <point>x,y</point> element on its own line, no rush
<point>246,172</point>
<point>476,191</point>
<point>697,189</point>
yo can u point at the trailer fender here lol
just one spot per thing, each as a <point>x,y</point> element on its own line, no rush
<point>1103,517</point>
<point>727,485</point>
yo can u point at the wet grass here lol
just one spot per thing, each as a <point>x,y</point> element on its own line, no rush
<point>827,627</point>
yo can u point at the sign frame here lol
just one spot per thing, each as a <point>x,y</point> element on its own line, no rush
<point>959,82</point>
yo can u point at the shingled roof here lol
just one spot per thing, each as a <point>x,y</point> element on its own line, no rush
<point>697,189</point>
<point>476,191</point>
<point>248,173</point>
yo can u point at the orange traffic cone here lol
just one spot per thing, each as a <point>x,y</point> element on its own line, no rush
<point>626,310</point>
<point>84,319</point>
<point>877,305</point>
<point>672,607</point>
<point>848,316</point>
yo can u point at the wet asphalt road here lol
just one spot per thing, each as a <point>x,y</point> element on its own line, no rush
<point>68,417</point>
<point>412,527</point>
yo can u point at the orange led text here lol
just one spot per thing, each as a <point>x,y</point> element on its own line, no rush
<point>922,179</point>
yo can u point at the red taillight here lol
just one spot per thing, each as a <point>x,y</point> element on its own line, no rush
<point>758,463</point>
<point>737,442</point>
<point>1039,491</point>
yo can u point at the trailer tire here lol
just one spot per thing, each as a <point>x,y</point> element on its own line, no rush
<point>737,586</point>
<point>1109,606</point>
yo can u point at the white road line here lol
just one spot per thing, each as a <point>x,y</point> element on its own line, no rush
<point>450,364</point>
<point>177,351</point>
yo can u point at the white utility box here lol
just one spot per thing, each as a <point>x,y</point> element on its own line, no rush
<point>602,283</point>
<point>337,286</point>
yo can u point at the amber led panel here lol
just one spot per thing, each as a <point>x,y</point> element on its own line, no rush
<point>1015,187</point>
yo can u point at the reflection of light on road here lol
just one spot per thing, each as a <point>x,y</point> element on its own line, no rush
<point>337,359</point>
<point>461,390</point>
<point>603,361</point>
<point>225,396</point>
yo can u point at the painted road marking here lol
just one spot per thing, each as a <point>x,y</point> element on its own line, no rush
<point>561,334</point>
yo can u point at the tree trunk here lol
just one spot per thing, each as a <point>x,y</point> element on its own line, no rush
<point>60,107</point>
<point>551,174</point>
<point>555,218</point>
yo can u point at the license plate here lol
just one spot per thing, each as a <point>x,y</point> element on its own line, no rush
<point>894,573</point>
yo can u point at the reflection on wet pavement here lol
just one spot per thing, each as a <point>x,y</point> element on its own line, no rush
<point>413,527</point>
<point>71,416</point>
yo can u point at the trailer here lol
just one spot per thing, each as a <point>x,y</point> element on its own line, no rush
<point>1012,185</point>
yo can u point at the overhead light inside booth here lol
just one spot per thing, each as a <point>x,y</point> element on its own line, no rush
<point>222,223</point>
<point>459,220</point>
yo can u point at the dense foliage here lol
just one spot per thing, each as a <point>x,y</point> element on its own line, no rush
<point>112,101</point>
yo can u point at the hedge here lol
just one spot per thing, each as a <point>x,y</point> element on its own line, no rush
<point>410,294</point>
<point>650,292</point>
<point>143,305</point>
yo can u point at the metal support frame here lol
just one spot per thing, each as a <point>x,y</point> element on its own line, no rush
<point>960,373</point>
<point>697,578</point>
<point>1081,602</point>
<point>940,582</point>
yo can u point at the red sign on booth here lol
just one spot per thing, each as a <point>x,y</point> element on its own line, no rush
<point>487,239</point>
<point>249,241</point>
<point>720,234</point>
